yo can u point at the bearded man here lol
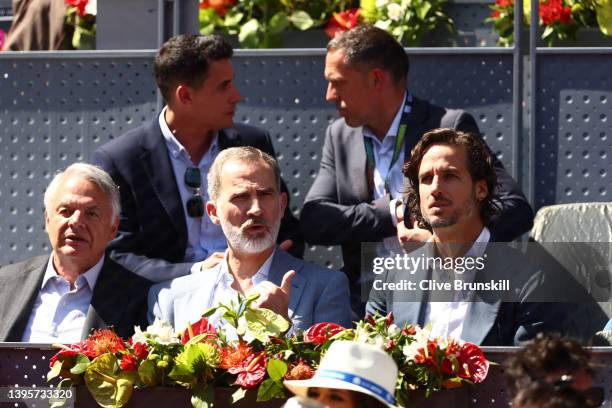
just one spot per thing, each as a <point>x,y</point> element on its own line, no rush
<point>246,200</point>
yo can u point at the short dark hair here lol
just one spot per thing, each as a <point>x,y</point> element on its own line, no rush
<point>186,58</point>
<point>479,162</point>
<point>547,353</point>
<point>370,47</point>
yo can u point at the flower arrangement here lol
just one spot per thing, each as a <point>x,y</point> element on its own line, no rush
<point>81,14</point>
<point>407,20</point>
<point>2,38</point>
<point>561,19</point>
<point>259,23</point>
<point>251,354</point>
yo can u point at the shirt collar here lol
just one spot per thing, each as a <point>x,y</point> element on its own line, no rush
<point>393,129</point>
<point>260,276</point>
<point>174,146</point>
<point>90,275</point>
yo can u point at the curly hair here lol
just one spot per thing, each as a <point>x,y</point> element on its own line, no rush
<point>479,162</point>
<point>547,353</point>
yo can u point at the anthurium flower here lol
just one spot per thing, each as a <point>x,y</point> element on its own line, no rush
<point>342,21</point>
<point>251,371</point>
<point>79,5</point>
<point>319,333</point>
<point>473,364</point>
<point>202,326</point>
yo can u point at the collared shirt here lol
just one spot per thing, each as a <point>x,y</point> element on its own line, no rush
<point>447,318</point>
<point>203,237</point>
<point>59,313</point>
<point>383,154</point>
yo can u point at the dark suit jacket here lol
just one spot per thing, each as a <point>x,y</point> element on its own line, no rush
<point>119,298</point>
<point>152,233</point>
<point>540,300</point>
<point>343,210</point>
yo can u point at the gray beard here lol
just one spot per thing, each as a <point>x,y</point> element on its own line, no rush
<point>237,239</point>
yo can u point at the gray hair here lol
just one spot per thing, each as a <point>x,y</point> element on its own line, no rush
<point>244,153</point>
<point>91,173</point>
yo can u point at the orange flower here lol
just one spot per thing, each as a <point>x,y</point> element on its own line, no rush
<point>104,341</point>
<point>232,356</point>
<point>299,371</point>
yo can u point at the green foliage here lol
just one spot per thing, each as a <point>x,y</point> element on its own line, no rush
<point>407,20</point>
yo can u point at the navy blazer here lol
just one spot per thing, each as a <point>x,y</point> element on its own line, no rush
<point>118,300</point>
<point>152,236</point>
<point>541,299</point>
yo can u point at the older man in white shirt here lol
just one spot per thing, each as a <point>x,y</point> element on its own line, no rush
<point>61,297</point>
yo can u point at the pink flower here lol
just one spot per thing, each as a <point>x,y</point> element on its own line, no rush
<point>2,39</point>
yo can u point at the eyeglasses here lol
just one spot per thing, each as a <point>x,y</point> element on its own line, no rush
<point>195,204</point>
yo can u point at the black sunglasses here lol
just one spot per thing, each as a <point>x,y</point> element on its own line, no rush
<point>195,204</point>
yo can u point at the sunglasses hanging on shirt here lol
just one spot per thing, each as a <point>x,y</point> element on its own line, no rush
<point>195,203</point>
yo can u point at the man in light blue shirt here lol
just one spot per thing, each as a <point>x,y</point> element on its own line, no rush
<point>60,298</point>
<point>247,203</point>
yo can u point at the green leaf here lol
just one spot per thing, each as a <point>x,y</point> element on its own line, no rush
<point>55,370</point>
<point>106,385</point>
<point>264,323</point>
<point>238,395</point>
<point>147,373</point>
<point>423,9</point>
<point>269,389</point>
<point>248,35</point>
<point>301,20</point>
<point>233,19</point>
<point>60,402</point>
<point>369,11</point>
<point>210,311</point>
<point>81,362</point>
<point>276,369</point>
<point>278,23</point>
<point>202,396</point>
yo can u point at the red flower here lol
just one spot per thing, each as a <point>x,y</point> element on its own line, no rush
<point>409,330</point>
<point>504,3</point>
<point>319,333</point>
<point>343,21</point>
<point>199,327</point>
<point>452,352</point>
<point>128,362</point>
<point>473,364</point>
<point>79,5</point>
<point>232,356</point>
<point>103,341</point>
<point>141,350</point>
<point>427,356</point>
<point>251,371</point>
<point>552,11</point>
<point>299,371</point>
<point>220,6</point>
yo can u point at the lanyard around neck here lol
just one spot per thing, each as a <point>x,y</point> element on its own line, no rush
<point>399,145</point>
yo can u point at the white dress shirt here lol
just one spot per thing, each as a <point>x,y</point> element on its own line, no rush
<point>59,313</point>
<point>203,237</point>
<point>447,318</point>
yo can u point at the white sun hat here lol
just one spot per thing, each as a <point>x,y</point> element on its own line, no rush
<point>348,365</point>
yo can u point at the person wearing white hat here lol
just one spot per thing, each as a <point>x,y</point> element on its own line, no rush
<point>351,375</point>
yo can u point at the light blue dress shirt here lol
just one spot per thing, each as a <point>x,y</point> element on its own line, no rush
<point>204,237</point>
<point>59,313</point>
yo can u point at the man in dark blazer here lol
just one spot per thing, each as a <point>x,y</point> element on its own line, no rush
<point>356,196</point>
<point>452,180</point>
<point>62,297</point>
<point>161,166</point>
